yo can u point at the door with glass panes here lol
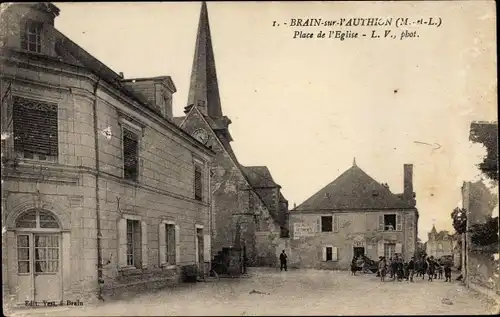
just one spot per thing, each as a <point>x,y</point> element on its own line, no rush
<point>38,257</point>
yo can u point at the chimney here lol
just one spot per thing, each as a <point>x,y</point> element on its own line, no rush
<point>121,75</point>
<point>408,193</point>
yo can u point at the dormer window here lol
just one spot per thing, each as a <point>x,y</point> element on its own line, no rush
<point>31,36</point>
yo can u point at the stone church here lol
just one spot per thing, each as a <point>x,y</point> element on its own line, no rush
<point>245,199</point>
<point>354,215</point>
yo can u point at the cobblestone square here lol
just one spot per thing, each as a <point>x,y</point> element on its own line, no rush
<point>296,292</point>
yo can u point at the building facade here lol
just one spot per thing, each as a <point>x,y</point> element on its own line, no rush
<point>439,244</point>
<point>354,215</point>
<point>101,191</point>
<point>243,204</point>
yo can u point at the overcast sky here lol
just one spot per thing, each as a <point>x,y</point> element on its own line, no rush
<point>307,107</point>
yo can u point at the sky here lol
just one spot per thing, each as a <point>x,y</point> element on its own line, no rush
<point>306,107</point>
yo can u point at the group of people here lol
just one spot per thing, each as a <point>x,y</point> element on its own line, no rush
<point>399,270</point>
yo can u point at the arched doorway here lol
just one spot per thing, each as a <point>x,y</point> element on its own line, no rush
<point>38,257</point>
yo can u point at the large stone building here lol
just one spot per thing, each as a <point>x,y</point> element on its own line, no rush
<point>246,200</point>
<point>439,243</point>
<point>100,189</point>
<point>354,215</point>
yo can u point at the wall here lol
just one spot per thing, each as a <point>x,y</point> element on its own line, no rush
<point>235,204</point>
<point>362,226</point>
<point>433,248</point>
<point>67,187</point>
<point>482,270</point>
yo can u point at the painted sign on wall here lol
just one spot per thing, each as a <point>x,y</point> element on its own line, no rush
<point>302,230</point>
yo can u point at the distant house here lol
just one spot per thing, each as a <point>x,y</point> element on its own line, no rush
<point>354,215</point>
<point>439,243</point>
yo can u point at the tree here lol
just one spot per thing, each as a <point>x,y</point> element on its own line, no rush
<point>459,217</point>
<point>487,134</point>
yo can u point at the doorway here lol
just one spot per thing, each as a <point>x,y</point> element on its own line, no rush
<point>358,251</point>
<point>38,246</point>
<point>200,251</point>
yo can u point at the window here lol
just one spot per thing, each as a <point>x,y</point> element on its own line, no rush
<point>31,36</point>
<point>130,155</point>
<point>40,249</point>
<point>389,250</point>
<point>37,219</point>
<point>170,244</point>
<point>389,222</point>
<point>440,247</point>
<point>329,251</point>
<point>198,190</point>
<point>133,242</point>
<point>23,254</point>
<point>200,245</point>
<point>35,129</point>
<point>46,253</point>
<point>326,224</point>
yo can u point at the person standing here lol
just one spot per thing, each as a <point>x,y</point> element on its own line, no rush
<point>354,266</point>
<point>447,272</point>
<point>283,258</point>
<point>431,268</point>
<point>395,267</point>
<point>382,269</point>
<point>411,268</point>
<point>424,267</point>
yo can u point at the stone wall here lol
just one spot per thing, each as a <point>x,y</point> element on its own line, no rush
<point>238,212</point>
<point>360,228</point>
<point>482,270</point>
<point>67,187</point>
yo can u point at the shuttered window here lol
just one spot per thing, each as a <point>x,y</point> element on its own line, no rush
<point>35,128</point>
<point>198,183</point>
<point>31,39</point>
<point>130,155</point>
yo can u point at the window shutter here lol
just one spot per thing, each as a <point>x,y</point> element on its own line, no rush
<point>334,254</point>
<point>198,183</point>
<point>399,223</point>
<point>335,220</point>
<point>144,243</point>
<point>177,245</point>
<point>130,154</point>
<point>35,127</point>
<point>324,254</point>
<point>399,248</point>
<point>122,242</point>
<point>206,246</point>
<point>318,225</point>
<point>380,248</point>
<point>162,228</point>
<point>381,222</point>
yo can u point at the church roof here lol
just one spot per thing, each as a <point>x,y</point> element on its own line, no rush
<point>203,84</point>
<point>178,120</point>
<point>259,176</point>
<point>353,190</point>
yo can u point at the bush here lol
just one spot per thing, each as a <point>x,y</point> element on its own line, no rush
<point>485,234</point>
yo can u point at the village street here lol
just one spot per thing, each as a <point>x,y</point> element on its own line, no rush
<point>297,292</point>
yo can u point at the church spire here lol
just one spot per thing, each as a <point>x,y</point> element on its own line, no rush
<point>203,89</point>
<point>433,230</point>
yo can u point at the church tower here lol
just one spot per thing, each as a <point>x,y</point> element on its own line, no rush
<point>204,88</point>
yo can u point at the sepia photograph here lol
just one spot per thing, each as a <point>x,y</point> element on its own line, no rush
<point>264,158</point>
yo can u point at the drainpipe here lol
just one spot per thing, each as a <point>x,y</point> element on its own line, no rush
<point>209,217</point>
<point>100,279</point>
